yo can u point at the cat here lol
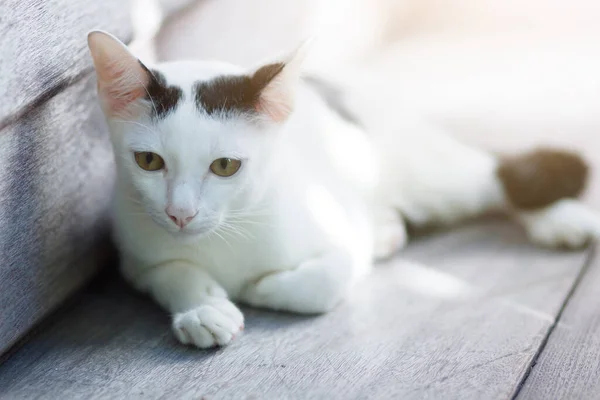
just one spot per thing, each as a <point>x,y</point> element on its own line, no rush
<point>263,187</point>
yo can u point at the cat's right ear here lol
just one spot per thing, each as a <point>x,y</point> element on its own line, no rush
<point>122,78</point>
<point>277,82</point>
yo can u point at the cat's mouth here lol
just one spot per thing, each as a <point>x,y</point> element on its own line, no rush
<point>193,232</point>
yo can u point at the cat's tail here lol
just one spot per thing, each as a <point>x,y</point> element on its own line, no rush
<point>539,178</point>
<point>541,188</point>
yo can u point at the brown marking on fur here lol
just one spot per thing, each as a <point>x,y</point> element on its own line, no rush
<point>235,93</point>
<point>164,97</point>
<point>539,178</point>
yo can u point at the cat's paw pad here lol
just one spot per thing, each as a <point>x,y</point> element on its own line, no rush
<point>389,239</point>
<point>215,323</point>
<point>565,224</point>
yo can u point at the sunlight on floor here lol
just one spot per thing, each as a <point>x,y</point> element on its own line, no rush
<point>424,280</point>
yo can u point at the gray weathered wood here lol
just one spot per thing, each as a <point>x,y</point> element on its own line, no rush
<point>56,178</point>
<point>461,319</point>
<point>43,47</point>
<point>569,365</point>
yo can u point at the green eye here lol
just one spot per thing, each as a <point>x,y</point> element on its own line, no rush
<point>149,161</point>
<point>225,167</point>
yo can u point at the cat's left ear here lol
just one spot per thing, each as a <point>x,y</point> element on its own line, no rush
<point>277,83</point>
<point>121,77</point>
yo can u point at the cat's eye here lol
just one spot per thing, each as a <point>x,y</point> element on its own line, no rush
<point>225,166</point>
<point>149,161</point>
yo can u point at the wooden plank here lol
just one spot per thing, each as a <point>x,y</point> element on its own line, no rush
<point>56,178</point>
<point>462,318</point>
<point>44,47</point>
<point>569,365</point>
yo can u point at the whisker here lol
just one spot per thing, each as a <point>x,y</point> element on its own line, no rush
<point>147,92</point>
<point>224,240</point>
<point>228,233</point>
<point>252,211</point>
<point>238,230</point>
<point>246,221</point>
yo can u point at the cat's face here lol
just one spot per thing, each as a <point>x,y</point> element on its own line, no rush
<point>190,172</point>
<point>193,141</point>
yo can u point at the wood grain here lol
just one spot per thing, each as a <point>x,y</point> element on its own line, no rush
<point>569,366</point>
<point>461,318</point>
<point>44,47</point>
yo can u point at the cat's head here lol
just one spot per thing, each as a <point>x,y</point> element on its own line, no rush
<point>193,141</point>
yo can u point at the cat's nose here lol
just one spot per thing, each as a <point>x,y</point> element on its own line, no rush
<point>180,217</point>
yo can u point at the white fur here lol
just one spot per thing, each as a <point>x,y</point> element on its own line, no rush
<point>565,223</point>
<point>316,200</point>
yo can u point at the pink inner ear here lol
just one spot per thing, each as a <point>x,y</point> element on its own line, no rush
<point>277,109</point>
<point>120,87</point>
<point>276,100</point>
<point>119,100</point>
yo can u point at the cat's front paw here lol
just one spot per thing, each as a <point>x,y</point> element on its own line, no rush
<point>214,323</point>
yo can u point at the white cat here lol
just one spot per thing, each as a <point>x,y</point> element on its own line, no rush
<point>251,186</point>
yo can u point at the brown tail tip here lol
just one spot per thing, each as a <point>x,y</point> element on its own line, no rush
<point>539,178</point>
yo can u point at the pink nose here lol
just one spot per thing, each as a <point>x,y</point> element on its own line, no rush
<point>180,218</point>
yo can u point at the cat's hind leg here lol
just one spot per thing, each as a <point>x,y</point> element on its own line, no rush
<point>566,223</point>
<point>428,178</point>
<point>437,180</point>
<point>541,188</point>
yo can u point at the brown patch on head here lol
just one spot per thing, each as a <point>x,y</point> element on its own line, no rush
<point>164,97</point>
<point>539,178</point>
<point>235,93</point>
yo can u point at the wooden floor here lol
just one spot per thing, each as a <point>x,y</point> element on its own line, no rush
<point>476,313</point>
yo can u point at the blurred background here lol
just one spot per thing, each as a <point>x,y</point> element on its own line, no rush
<point>506,74</point>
